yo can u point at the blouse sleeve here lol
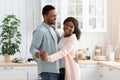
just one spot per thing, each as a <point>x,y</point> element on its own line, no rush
<point>69,45</point>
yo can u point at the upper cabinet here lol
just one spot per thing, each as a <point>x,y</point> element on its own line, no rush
<point>90,13</point>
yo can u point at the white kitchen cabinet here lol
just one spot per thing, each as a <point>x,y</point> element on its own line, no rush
<point>19,73</point>
<point>13,73</point>
<point>117,73</point>
<point>32,73</point>
<point>107,73</point>
<point>91,14</point>
<point>89,72</point>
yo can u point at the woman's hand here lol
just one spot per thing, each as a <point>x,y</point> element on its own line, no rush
<point>45,56</point>
<point>76,58</point>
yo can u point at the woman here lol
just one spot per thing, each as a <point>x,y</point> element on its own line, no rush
<point>66,50</point>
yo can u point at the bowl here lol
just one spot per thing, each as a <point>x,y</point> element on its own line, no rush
<point>100,58</point>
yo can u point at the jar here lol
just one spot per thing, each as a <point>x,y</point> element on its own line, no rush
<point>98,50</point>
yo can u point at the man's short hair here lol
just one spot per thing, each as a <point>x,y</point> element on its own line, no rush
<point>46,9</point>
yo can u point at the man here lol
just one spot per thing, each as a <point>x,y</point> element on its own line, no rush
<point>45,39</point>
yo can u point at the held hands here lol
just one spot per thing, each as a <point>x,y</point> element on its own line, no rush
<point>43,55</point>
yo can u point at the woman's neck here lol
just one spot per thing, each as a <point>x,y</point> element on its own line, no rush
<point>67,35</point>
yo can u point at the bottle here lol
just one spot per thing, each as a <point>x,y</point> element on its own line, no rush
<point>109,49</point>
<point>87,53</point>
<point>117,52</point>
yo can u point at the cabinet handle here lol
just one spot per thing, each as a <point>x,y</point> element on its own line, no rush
<point>101,75</point>
<point>8,67</point>
<point>82,66</point>
<point>101,66</point>
<point>110,69</point>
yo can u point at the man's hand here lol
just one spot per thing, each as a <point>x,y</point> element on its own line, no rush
<point>42,55</point>
<point>37,54</point>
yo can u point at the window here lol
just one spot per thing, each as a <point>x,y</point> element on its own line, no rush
<point>91,14</point>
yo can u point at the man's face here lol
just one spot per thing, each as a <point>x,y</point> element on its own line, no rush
<point>51,17</point>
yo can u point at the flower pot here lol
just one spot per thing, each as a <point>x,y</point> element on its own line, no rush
<point>7,58</point>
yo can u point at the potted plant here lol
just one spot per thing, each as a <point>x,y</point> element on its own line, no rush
<point>10,37</point>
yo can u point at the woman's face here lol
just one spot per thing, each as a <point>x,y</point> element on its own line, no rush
<point>68,28</point>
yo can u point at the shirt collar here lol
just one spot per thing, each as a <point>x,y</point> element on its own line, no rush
<point>46,25</point>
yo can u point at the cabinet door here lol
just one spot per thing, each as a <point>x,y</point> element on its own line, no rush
<point>89,72</point>
<point>117,73</point>
<point>90,13</point>
<point>13,73</point>
<point>107,73</point>
<point>114,74</point>
<point>32,73</point>
<point>103,73</point>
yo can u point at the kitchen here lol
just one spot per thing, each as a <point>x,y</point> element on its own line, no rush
<point>28,11</point>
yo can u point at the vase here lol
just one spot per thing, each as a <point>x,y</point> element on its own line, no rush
<point>7,58</point>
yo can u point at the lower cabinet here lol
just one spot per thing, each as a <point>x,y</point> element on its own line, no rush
<point>19,73</point>
<point>32,73</point>
<point>13,73</point>
<point>98,72</point>
<point>107,73</point>
<point>89,72</point>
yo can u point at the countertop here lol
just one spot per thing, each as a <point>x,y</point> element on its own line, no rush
<point>111,64</point>
<point>2,64</point>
